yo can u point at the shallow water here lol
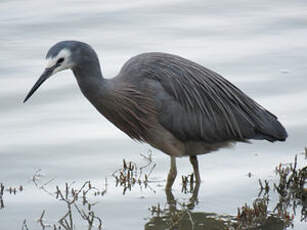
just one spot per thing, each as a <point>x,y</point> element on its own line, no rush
<point>260,46</point>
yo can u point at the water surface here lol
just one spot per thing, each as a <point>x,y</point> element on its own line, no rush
<point>260,46</point>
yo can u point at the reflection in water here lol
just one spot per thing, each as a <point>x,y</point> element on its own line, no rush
<point>131,174</point>
<point>78,205</point>
<point>292,193</point>
<point>11,190</point>
<point>259,45</point>
<point>265,212</point>
<point>1,195</point>
<point>181,216</point>
<point>292,189</point>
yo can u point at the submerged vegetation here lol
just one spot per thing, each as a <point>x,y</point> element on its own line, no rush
<point>292,192</point>
<point>11,190</point>
<point>265,212</point>
<point>77,201</point>
<point>131,174</point>
<point>291,189</point>
<point>78,204</point>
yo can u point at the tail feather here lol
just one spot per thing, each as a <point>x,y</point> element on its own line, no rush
<point>270,129</point>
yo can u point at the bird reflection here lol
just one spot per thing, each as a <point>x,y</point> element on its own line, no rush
<point>178,215</point>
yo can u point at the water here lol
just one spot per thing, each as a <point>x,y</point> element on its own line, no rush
<point>260,46</point>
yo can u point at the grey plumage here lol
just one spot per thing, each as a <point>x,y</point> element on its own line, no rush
<point>198,104</point>
<point>172,103</point>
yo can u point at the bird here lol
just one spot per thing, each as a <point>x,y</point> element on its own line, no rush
<point>174,104</point>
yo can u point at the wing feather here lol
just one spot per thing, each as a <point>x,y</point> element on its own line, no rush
<point>199,104</point>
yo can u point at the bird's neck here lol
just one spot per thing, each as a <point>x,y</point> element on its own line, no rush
<point>91,82</point>
<point>118,102</point>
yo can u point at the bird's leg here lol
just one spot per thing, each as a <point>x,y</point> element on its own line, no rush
<point>194,162</point>
<point>171,201</point>
<point>194,197</point>
<point>172,174</point>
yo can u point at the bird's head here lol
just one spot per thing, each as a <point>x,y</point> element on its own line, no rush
<point>63,55</point>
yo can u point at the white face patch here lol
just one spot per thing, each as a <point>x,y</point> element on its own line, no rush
<point>66,64</point>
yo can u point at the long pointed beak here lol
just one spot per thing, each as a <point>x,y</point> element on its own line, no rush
<point>45,75</point>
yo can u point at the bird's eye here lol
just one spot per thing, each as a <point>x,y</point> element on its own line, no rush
<point>60,61</point>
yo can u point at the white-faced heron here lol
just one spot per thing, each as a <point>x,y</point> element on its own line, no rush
<point>174,104</point>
